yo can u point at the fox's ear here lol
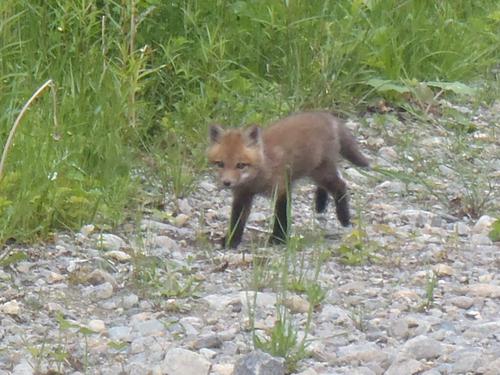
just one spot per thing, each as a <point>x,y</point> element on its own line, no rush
<point>215,133</point>
<point>253,136</point>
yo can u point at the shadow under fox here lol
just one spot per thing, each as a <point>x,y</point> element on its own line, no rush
<point>253,161</point>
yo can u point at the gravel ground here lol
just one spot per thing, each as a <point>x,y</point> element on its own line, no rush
<point>420,294</point>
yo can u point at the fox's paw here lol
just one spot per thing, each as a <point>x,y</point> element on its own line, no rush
<point>343,214</point>
<point>229,243</point>
<point>276,240</point>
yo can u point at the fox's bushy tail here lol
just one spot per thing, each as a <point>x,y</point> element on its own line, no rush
<point>349,148</point>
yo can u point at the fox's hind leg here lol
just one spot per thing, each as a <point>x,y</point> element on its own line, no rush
<point>321,199</point>
<point>336,186</point>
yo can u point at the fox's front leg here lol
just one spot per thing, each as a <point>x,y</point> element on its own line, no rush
<point>242,204</point>
<point>281,217</point>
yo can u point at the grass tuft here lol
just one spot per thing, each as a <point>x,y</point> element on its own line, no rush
<point>141,80</point>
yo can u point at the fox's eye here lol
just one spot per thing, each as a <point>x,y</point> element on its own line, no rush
<point>242,165</point>
<point>219,163</point>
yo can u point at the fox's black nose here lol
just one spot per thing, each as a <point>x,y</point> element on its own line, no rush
<point>226,183</point>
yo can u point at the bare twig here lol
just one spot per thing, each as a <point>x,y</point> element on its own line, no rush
<point>436,97</point>
<point>10,139</point>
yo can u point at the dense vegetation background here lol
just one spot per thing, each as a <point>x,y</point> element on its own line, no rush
<point>137,81</point>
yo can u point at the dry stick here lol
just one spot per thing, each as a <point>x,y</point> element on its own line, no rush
<point>436,97</point>
<point>10,139</point>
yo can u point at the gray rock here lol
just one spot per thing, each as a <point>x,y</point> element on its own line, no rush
<point>87,230</point>
<point>139,344</point>
<point>12,307</point>
<point>392,186</point>
<point>396,187</point>
<point>130,301</point>
<point>109,304</point>
<point>184,206</point>
<point>97,325</point>
<point>257,217</point>
<point>352,287</point>
<point>24,266</point>
<point>353,175</point>
<point>98,292</point>
<point>191,325</point>
<point>155,226</point>
<point>405,366</point>
<point>163,228</point>
<point>375,141</point>
<point>118,256</point>
<point>442,269</point>
<point>108,241</point>
<point>467,362</point>
<point>138,367</point>
<point>4,276</point>
<point>259,363</point>
<point>208,186</point>
<point>262,299</point>
<point>418,217</point>
<point>111,370</point>
<point>207,341</point>
<point>149,327</point>
<point>492,368</point>
<point>308,371</point>
<point>431,372</point>
<point>462,229</point>
<point>481,239</point>
<point>422,347</point>
<point>417,326</point>
<point>180,220</point>
<point>399,329</point>
<point>462,301</point>
<point>363,371</point>
<point>334,314</point>
<point>228,334</point>
<point>362,353</point>
<point>180,361</point>
<point>482,330</point>
<point>447,171</point>
<point>388,153</point>
<point>484,290</point>
<point>99,276</point>
<point>432,141</point>
<point>220,302</point>
<point>148,344</point>
<point>164,243</point>
<point>120,333</point>
<point>222,369</point>
<point>483,225</point>
<point>23,368</point>
<point>437,221</point>
<point>208,353</point>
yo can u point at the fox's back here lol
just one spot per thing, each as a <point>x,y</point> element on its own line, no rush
<point>301,142</point>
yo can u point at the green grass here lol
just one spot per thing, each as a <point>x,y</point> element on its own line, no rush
<point>140,81</point>
<point>290,274</point>
<point>430,287</point>
<point>57,352</point>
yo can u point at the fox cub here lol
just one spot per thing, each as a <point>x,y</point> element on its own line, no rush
<point>253,161</point>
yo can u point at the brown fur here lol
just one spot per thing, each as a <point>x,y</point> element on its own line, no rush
<point>251,161</point>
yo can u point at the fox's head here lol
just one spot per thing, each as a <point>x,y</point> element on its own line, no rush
<point>236,153</point>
